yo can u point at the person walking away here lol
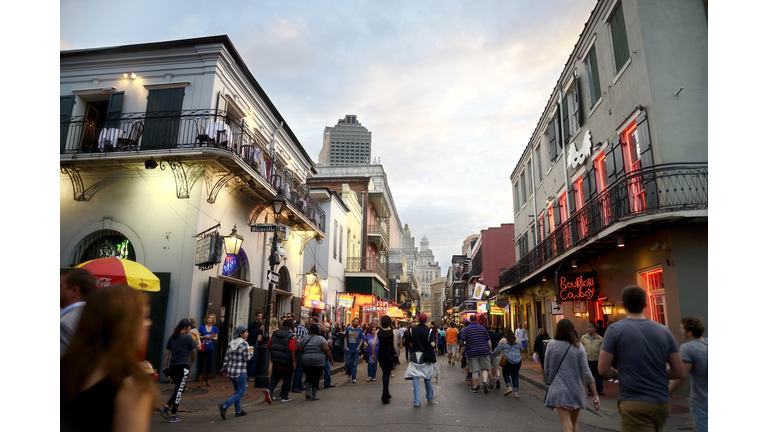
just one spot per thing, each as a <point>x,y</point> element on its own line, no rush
<point>255,336</point>
<point>521,334</point>
<point>177,354</point>
<point>300,331</point>
<point>209,333</point>
<point>441,341</point>
<point>388,354</point>
<point>315,352</point>
<point>236,368</point>
<point>282,352</point>
<point>592,343</point>
<point>327,368</point>
<point>196,336</point>
<point>567,366</point>
<point>694,357</point>
<point>496,337</point>
<point>538,346</point>
<point>477,350</point>
<point>75,285</point>
<point>370,351</point>
<point>600,329</point>
<point>108,391</point>
<point>422,364</point>
<point>452,343</point>
<point>353,338</point>
<point>643,348</point>
<point>513,351</point>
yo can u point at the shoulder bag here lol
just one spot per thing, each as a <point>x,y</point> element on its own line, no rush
<point>503,359</point>
<point>556,370</point>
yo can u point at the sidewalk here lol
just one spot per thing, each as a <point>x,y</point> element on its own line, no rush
<point>679,416</point>
<point>206,400</point>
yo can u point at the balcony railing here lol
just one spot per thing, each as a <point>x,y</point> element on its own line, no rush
<point>656,189</point>
<point>168,130</point>
<point>366,265</point>
<point>380,230</point>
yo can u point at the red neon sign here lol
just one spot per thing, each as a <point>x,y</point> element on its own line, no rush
<point>577,286</point>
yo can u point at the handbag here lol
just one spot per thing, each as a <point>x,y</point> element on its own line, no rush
<point>535,357</point>
<point>558,368</point>
<point>503,359</point>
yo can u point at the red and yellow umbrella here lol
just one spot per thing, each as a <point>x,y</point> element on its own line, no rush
<point>117,271</point>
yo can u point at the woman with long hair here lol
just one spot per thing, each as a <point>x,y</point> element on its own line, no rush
<point>102,387</point>
<point>177,353</point>
<point>388,353</point>
<point>314,349</point>
<point>370,352</point>
<point>209,333</point>
<point>512,349</point>
<point>538,346</point>
<point>566,365</point>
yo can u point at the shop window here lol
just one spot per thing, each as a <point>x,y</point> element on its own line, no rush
<point>653,283</point>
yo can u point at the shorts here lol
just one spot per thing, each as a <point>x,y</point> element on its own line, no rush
<point>700,420</point>
<point>479,363</point>
<point>525,344</point>
<point>639,416</point>
<point>453,348</point>
<point>495,362</point>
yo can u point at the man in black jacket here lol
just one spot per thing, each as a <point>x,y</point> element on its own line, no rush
<point>422,341</point>
<point>282,352</point>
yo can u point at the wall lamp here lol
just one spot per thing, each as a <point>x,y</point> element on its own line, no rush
<point>543,278</point>
<point>607,307</point>
<point>133,75</point>
<point>574,263</point>
<point>620,241</point>
<point>232,242</point>
<point>150,164</point>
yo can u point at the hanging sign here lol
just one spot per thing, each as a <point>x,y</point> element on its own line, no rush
<point>477,293</point>
<point>496,310</point>
<point>346,301</point>
<point>208,250</point>
<point>577,286</point>
<point>502,302</point>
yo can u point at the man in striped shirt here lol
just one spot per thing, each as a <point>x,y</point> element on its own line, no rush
<point>477,350</point>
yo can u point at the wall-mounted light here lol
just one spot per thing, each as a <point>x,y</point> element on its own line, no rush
<point>150,164</point>
<point>543,278</point>
<point>232,242</point>
<point>620,241</point>
<point>133,75</point>
<point>574,263</point>
<point>607,307</point>
<point>250,111</point>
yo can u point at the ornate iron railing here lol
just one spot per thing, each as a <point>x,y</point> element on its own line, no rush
<point>365,265</point>
<point>137,132</point>
<point>655,189</point>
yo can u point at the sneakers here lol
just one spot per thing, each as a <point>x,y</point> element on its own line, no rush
<point>241,414</point>
<point>485,387</point>
<point>473,389</point>
<point>349,378</point>
<point>223,412</point>
<point>286,400</point>
<point>174,419</point>
<point>509,390</point>
<point>498,384</point>
<point>416,405</point>
<point>267,397</point>
<point>251,379</point>
<point>164,411</point>
<point>354,381</point>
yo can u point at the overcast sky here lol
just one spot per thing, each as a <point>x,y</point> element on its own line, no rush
<point>451,90</point>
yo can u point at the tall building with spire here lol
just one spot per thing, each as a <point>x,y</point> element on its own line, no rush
<point>420,259</point>
<point>347,143</point>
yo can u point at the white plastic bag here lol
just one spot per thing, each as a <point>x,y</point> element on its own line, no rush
<point>535,357</point>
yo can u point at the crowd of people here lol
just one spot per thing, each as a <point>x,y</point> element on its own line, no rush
<point>112,392</point>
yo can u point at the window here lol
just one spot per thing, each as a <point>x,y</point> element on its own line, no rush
<point>538,163</point>
<point>630,148</point>
<point>335,228</point>
<point>619,39</point>
<point>530,178</point>
<point>578,194</point>
<point>524,195</point>
<point>517,198</point>
<point>571,112</point>
<point>552,139</point>
<point>562,202</point>
<point>593,77</point>
<point>541,228</point>
<point>653,283</point>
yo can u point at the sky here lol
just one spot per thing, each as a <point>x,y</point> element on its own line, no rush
<point>451,90</point>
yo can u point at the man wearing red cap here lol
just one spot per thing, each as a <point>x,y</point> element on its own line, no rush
<point>422,364</point>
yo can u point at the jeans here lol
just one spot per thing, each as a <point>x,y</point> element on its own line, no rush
<point>313,375</point>
<point>387,362</point>
<point>252,362</point>
<point>596,376</point>
<point>700,419</point>
<point>297,374</point>
<point>205,362</point>
<point>327,373</point>
<point>278,373</point>
<point>512,369</point>
<point>417,393</point>
<point>240,383</point>
<point>352,357</point>
<point>179,374</point>
<point>372,368</point>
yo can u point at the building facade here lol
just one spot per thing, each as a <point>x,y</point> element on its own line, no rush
<point>346,143</point>
<point>611,189</point>
<point>164,148</point>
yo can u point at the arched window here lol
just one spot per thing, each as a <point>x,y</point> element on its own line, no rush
<point>103,244</point>
<point>236,266</point>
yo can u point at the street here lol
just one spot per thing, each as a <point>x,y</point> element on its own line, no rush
<point>350,407</point>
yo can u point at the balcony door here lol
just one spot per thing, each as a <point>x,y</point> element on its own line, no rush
<point>161,128</point>
<point>630,146</point>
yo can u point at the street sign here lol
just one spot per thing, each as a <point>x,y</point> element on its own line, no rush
<point>556,308</point>
<point>268,228</point>
<point>273,277</point>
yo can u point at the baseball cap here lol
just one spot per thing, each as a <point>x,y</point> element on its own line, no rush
<point>423,317</point>
<point>184,322</point>
<point>240,329</point>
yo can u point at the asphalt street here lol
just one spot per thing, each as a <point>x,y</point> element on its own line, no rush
<point>350,407</point>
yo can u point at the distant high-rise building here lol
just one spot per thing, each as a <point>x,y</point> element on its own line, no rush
<point>347,143</point>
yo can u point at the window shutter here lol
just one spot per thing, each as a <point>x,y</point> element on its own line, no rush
<point>571,200</point>
<point>65,109</point>
<point>559,127</point>
<point>643,134</point>
<point>161,129</point>
<point>552,135</point>
<point>221,105</point>
<point>591,189</point>
<point>565,120</point>
<point>114,110</point>
<point>618,156</point>
<point>619,38</point>
<point>594,83</point>
<point>577,102</point>
<point>556,211</point>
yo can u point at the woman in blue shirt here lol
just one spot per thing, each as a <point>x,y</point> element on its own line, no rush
<point>372,364</point>
<point>208,334</point>
<point>513,350</point>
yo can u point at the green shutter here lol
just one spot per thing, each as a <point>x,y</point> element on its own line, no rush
<point>65,109</point>
<point>161,129</point>
<point>566,120</point>
<point>619,38</point>
<point>594,77</point>
<point>114,110</point>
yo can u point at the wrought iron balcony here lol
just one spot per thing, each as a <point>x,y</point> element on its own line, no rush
<point>180,131</point>
<point>647,191</point>
<point>365,265</point>
<point>379,232</point>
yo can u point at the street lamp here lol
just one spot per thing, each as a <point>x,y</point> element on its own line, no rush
<point>232,242</point>
<point>262,377</point>
<point>607,307</point>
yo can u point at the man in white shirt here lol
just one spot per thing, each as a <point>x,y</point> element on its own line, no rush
<point>521,334</point>
<point>74,284</point>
